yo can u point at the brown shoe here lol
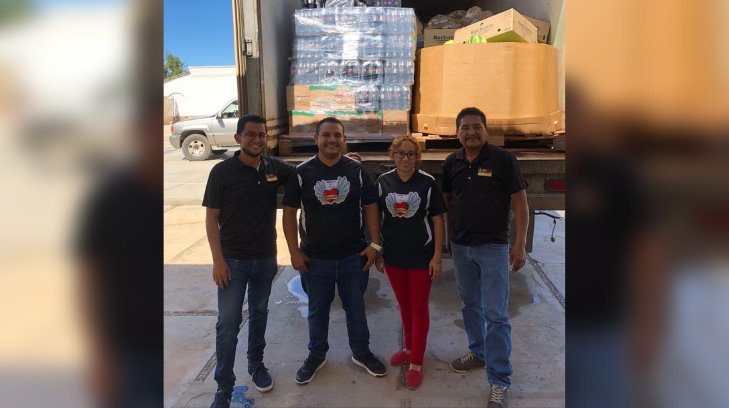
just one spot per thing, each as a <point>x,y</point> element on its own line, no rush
<point>467,362</point>
<point>497,397</point>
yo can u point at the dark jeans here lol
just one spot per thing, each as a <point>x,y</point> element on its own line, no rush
<point>258,276</point>
<point>351,282</point>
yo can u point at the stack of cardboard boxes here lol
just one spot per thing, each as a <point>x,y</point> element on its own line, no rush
<point>354,63</point>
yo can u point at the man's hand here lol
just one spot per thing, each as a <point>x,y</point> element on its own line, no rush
<point>517,257</point>
<point>299,260</point>
<point>354,155</point>
<point>371,254</point>
<point>380,263</point>
<point>221,274</point>
<point>434,268</point>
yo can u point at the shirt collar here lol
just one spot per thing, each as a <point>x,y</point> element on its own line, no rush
<point>483,154</point>
<point>264,164</point>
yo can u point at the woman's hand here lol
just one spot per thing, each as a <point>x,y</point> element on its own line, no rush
<point>435,268</point>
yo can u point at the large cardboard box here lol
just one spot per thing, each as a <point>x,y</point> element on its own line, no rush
<point>508,26</point>
<point>514,84</point>
<point>542,29</point>
<point>437,36</point>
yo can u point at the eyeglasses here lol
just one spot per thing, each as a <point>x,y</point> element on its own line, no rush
<point>410,155</point>
<point>252,135</point>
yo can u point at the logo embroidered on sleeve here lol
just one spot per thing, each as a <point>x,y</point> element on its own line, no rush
<point>482,172</point>
<point>403,205</point>
<point>332,191</point>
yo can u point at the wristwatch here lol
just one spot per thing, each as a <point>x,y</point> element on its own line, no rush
<point>377,248</point>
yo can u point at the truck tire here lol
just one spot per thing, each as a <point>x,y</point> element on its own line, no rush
<point>196,147</point>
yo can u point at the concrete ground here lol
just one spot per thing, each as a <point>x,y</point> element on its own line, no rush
<point>536,308</point>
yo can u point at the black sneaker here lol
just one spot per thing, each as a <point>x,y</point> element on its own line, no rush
<point>222,399</point>
<point>371,363</point>
<point>466,363</point>
<point>261,378</point>
<point>308,370</point>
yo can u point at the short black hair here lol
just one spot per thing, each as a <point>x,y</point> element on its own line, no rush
<point>468,112</point>
<point>249,118</point>
<point>330,119</point>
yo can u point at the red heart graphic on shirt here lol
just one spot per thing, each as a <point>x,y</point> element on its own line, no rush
<point>331,194</point>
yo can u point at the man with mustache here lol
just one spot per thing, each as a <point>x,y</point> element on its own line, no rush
<point>480,182</point>
<point>240,197</point>
<point>332,190</point>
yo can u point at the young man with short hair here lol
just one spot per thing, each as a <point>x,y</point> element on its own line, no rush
<point>332,190</point>
<point>240,197</point>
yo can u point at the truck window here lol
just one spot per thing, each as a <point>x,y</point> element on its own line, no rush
<point>230,111</point>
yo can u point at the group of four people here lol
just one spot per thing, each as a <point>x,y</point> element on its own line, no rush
<point>403,212</point>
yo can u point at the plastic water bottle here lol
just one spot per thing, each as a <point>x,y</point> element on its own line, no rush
<point>328,71</point>
<point>350,71</point>
<point>367,99</point>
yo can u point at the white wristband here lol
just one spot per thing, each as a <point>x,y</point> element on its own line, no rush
<point>377,248</point>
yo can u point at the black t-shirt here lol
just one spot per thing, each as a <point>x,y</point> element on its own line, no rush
<point>481,194</point>
<point>331,223</point>
<point>407,210</point>
<point>246,198</point>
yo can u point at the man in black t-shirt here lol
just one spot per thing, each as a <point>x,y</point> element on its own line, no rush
<point>480,182</point>
<point>332,190</point>
<point>240,197</point>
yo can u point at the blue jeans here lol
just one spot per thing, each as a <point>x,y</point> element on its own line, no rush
<point>482,276</point>
<point>258,276</point>
<point>351,282</point>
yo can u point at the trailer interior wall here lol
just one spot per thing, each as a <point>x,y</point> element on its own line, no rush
<point>276,39</point>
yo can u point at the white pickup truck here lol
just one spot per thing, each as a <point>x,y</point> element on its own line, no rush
<point>201,136</point>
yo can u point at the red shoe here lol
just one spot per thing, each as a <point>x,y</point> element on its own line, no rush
<point>399,358</point>
<point>413,379</point>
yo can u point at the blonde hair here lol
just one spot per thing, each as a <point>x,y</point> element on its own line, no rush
<point>398,141</point>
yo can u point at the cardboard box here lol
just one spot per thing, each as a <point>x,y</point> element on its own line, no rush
<point>360,124</point>
<point>395,115</point>
<point>332,98</point>
<point>395,123</point>
<point>542,29</point>
<point>514,84</point>
<point>437,36</point>
<point>297,97</point>
<point>509,26</point>
<point>303,123</point>
<point>394,129</point>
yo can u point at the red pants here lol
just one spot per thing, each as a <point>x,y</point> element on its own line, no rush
<point>412,290</point>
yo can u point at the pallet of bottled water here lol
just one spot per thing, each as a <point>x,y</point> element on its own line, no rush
<point>368,49</point>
